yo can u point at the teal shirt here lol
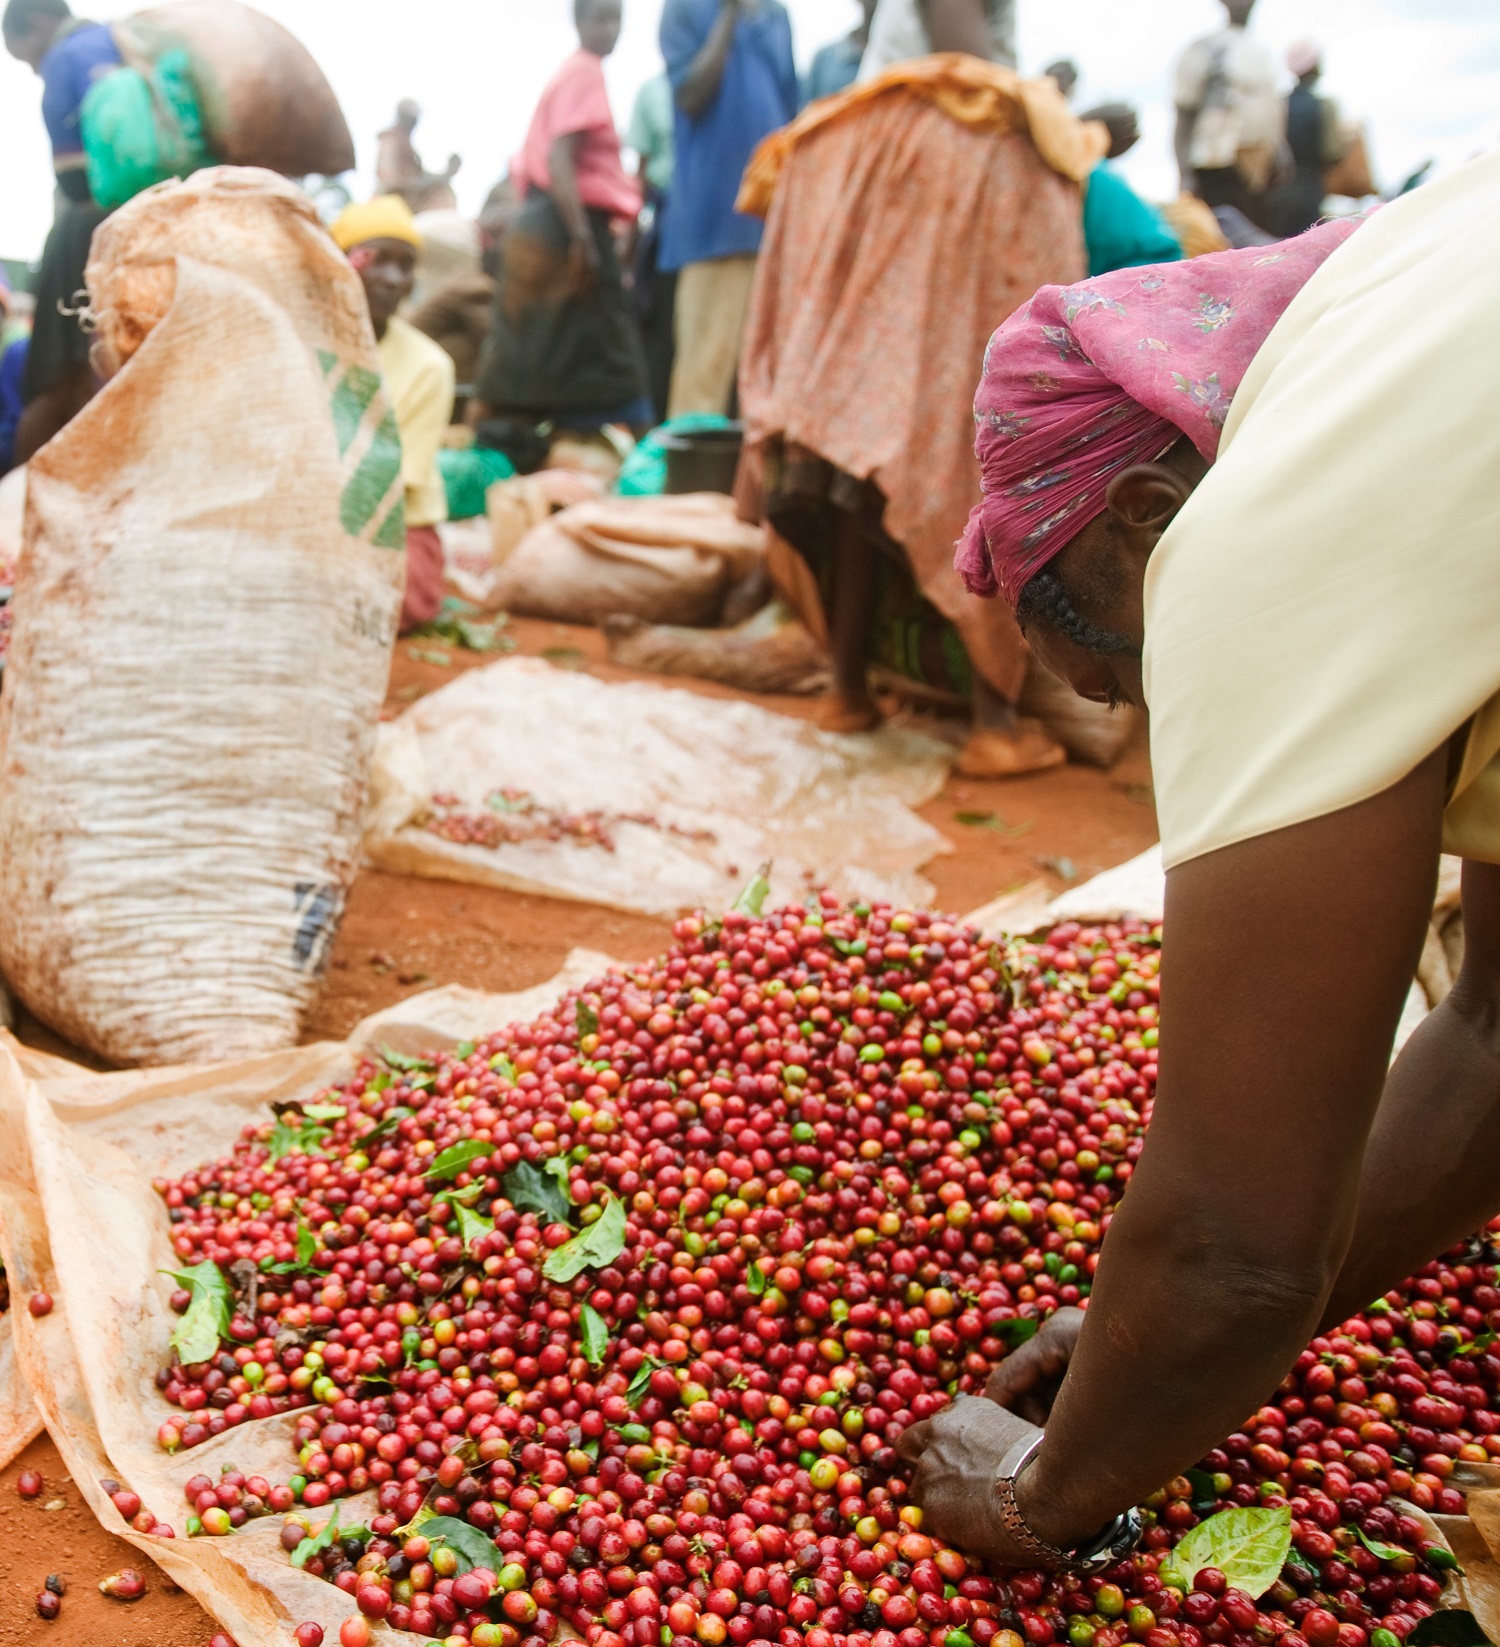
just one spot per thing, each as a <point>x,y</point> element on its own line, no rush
<point>1120,229</point>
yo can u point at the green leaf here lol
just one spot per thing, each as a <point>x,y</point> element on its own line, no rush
<point>600,1244</point>
<point>586,1019</point>
<point>1452,1627</point>
<point>393,1119</point>
<point>471,1225</point>
<point>640,1386</point>
<point>1205,1494</point>
<point>309,1547</point>
<point>1249,1546</point>
<point>503,1067</point>
<point>1381,1552</point>
<point>206,1320</point>
<point>324,1112</point>
<point>464,1049</point>
<point>1015,1332</point>
<point>752,901</point>
<point>307,1244</point>
<point>298,1140</point>
<point>529,1188</point>
<point>452,1161</point>
<point>755,1280</point>
<point>399,1060</point>
<point>595,1335</point>
<point>993,820</point>
<point>470,1545</point>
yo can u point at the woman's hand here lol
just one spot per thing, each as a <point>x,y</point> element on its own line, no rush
<point>1027,1380</point>
<point>958,1455</point>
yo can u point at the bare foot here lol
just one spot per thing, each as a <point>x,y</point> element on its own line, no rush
<point>1025,747</point>
<point>840,712</point>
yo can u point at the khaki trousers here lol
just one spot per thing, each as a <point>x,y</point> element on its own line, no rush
<point>712,300</point>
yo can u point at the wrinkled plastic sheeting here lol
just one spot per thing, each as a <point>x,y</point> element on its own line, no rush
<point>79,1219</point>
<point>729,786</point>
<point>20,1422</point>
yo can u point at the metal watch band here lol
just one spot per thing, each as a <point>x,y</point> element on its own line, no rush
<point>1117,1540</point>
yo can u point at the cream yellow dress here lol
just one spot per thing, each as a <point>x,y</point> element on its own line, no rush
<point>1325,612</point>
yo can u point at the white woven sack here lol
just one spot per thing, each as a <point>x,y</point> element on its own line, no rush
<point>204,618</point>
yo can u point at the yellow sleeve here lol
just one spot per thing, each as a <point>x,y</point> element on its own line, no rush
<point>420,378</point>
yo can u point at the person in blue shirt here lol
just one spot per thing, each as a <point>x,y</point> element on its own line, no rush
<point>69,55</point>
<point>836,66</point>
<point>734,80</point>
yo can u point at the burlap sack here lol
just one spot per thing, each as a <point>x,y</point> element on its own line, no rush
<point>666,560</point>
<point>20,1421</point>
<point>79,1219</point>
<point>204,617</point>
<point>264,101</point>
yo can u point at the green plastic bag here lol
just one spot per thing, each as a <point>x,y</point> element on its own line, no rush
<point>644,474</point>
<point>138,130</point>
<point>468,475</point>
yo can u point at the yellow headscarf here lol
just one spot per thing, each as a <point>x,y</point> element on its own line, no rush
<point>388,218</point>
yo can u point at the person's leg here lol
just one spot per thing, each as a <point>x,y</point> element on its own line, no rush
<point>424,577</point>
<point>1432,1165</point>
<point>1004,744</point>
<point>712,301</point>
<point>849,707</point>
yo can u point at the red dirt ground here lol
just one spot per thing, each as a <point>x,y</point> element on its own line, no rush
<point>402,935</point>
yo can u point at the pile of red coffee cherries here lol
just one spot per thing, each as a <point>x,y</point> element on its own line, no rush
<point>619,1314</point>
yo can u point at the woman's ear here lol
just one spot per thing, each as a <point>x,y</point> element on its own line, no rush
<point>1146,497</point>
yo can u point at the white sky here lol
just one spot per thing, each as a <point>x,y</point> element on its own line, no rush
<point>1424,74</point>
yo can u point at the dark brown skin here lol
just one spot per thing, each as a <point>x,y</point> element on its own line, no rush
<point>700,85</point>
<point>1288,1179</point>
<point>53,409</point>
<point>387,269</point>
<point>960,25</point>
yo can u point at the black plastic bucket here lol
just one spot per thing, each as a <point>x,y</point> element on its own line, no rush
<point>703,460</point>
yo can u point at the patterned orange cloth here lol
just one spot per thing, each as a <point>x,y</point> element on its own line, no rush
<point>898,239</point>
<point>986,97</point>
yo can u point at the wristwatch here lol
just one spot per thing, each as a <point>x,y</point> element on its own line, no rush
<point>1117,1540</point>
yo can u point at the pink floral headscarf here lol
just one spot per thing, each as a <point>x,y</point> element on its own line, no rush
<point>1087,380</point>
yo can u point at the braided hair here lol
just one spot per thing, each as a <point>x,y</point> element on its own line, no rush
<point>1045,599</point>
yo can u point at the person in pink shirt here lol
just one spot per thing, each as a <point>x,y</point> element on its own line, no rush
<point>564,348</point>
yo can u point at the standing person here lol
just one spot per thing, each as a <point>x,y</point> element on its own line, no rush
<point>904,29</point>
<point>1231,123</point>
<point>836,65</point>
<point>564,348</point>
<point>69,55</point>
<point>904,216</point>
<point>15,340</point>
<point>1313,134</point>
<point>652,135</point>
<point>1289,545</point>
<point>381,241</point>
<point>735,81</point>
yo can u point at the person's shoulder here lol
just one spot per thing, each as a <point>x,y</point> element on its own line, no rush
<point>425,357</point>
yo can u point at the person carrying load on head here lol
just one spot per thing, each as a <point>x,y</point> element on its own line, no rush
<point>381,241</point>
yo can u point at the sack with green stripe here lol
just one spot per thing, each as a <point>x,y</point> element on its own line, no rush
<point>208,597</point>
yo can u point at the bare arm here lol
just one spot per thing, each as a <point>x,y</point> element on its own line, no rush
<point>959,25</point>
<point>1432,1171</point>
<point>1287,962</point>
<point>700,85</point>
<point>54,408</point>
<point>1182,145</point>
<point>562,162</point>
